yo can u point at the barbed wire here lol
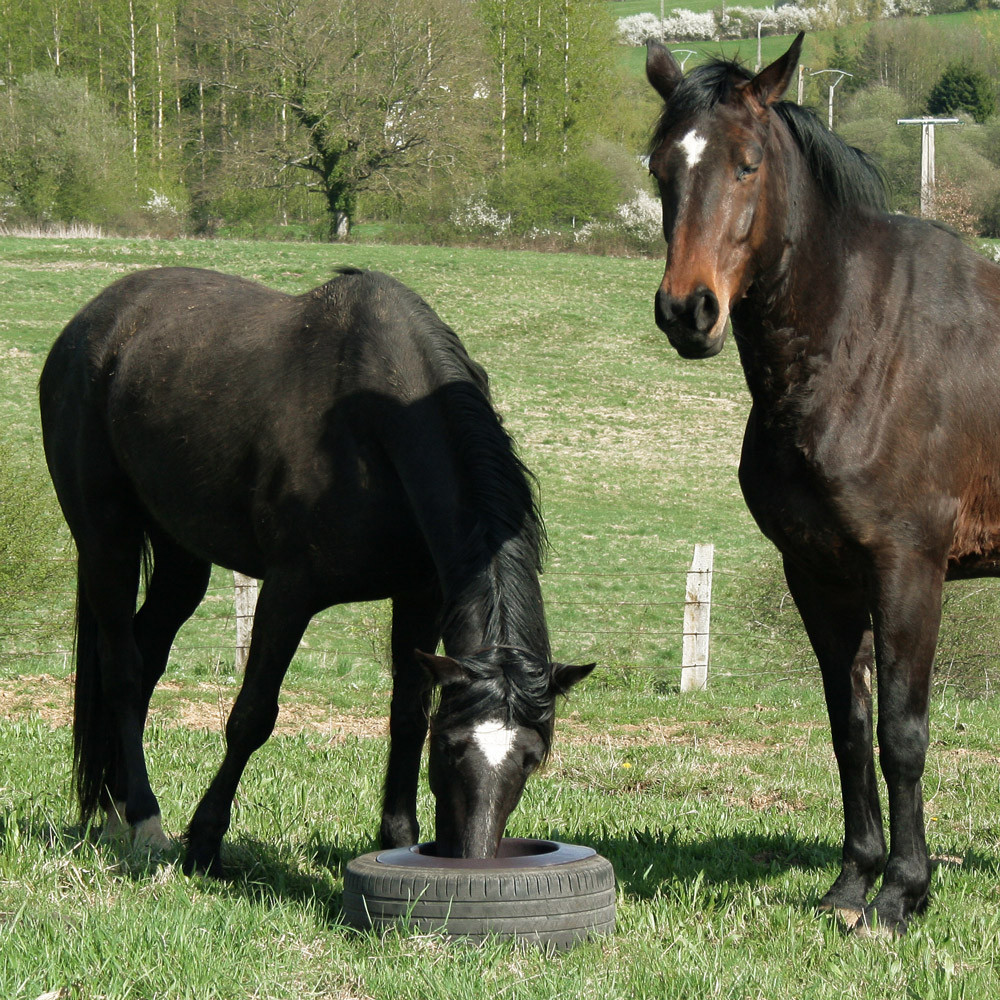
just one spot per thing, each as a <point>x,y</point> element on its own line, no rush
<point>217,612</point>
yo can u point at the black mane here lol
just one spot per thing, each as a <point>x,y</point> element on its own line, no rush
<point>504,554</point>
<point>498,600</point>
<point>848,177</point>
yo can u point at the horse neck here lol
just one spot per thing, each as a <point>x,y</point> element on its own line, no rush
<point>498,603</point>
<point>782,326</point>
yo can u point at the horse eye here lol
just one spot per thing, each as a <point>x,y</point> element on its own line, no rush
<point>745,170</point>
<point>451,750</point>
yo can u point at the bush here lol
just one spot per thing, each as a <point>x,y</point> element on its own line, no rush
<point>862,123</point>
<point>536,195</point>
<point>63,157</point>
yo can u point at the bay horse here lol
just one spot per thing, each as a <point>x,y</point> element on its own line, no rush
<point>871,348</point>
<point>342,446</point>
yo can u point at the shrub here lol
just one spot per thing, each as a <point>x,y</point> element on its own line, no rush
<point>63,157</point>
<point>534,195</point>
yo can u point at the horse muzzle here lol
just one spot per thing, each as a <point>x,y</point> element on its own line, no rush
<point>694,324</point>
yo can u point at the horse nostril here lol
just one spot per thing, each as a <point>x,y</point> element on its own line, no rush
<point>698,312</point>
<point>703,307</point>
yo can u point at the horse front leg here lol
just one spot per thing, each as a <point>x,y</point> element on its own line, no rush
<point>414,626</point>
<point>907,619</point>
<point>281,617</point>
<point>838,625</point>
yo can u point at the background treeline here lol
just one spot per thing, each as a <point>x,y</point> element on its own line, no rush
<point>244,116</point>
<point>502,120</point>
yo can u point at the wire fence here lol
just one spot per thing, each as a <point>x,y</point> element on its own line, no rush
<point>631,619</point>
<point>626,620</point>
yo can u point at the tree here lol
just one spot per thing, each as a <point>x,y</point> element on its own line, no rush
<point>963,88</point>
<point>63,156</point>
<point>555,83</point>
<point>360,93</point>
<point>553,64</point>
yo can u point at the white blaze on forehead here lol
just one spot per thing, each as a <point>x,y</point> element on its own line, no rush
<point>495,741</point>
<point>693,146</point>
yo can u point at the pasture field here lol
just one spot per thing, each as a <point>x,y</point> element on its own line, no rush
<point>720,811</point>
<point>772,46</point>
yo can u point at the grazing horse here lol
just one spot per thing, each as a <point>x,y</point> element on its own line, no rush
<point>871,348</point>
<point>341,446</point>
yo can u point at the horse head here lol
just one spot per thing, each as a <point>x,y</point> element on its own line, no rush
<point>491,729</point>
<point>711,155</point>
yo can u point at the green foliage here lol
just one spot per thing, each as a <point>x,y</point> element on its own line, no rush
<point>539,194</point>
<point>968,181</point>
<point>553,74</point>
<point>910,55</point>
<point>962,88</point>
<point>28,523</point>
<point>868,120</point>
<point>63,155</point>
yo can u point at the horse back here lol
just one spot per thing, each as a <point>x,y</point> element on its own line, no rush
<point>255,426</point>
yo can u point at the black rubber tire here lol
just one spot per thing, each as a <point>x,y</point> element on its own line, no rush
<point>553,906</point>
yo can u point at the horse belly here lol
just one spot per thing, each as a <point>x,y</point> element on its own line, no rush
<point>975,549</point>
<point>339,517</point>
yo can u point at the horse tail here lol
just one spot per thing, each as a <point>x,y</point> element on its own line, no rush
<point>96,746</point>
<point>94,743</point>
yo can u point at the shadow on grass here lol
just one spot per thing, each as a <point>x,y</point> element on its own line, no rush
<point>648,859</point>
<point>310,874</point>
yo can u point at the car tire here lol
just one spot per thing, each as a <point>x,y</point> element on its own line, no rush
<point>542,893</point>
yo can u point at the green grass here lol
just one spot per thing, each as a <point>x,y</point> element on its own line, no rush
<point>720,812</point>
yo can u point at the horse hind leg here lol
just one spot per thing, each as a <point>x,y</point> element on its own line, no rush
<point>174,590</point>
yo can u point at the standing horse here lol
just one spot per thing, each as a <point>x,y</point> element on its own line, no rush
<point>340,445</point>
<point>871,347</point>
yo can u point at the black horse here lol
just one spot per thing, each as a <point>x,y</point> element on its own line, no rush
<point>341,446</point>
<point>871,348</point>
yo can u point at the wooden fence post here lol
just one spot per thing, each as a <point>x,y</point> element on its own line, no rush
<point>246,602</point>
<point>697,619</point>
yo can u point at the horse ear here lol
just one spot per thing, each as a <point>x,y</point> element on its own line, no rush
<point>442,669</point>
<point>770,84</point>
<point>565,676</point>
<point>662,69</point>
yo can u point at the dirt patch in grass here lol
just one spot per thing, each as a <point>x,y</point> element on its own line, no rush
<point>659,733</point>
<point>50,698</point>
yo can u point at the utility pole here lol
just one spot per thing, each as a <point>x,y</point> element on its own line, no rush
<point>687,53</point>
<point>927,174</point>
<point>841,74</point>
<point>759,24</point>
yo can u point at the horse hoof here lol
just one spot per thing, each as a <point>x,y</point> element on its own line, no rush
<point>870,927</point>
<point>149,836</point>
<point>202,863</point>
<point>848,916</point>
